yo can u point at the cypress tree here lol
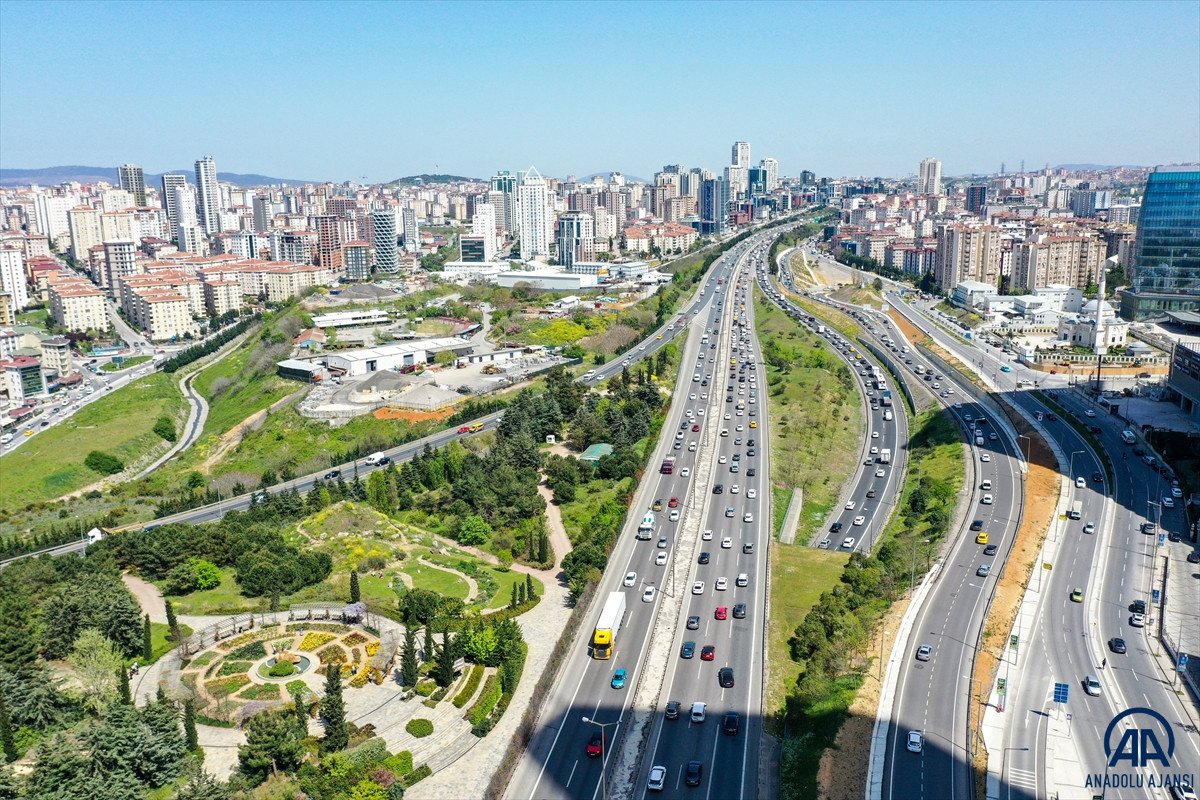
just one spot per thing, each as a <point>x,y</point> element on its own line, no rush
<point>147,642</point>
<point>355,592</point>
<point>529,591</point>
<point>409,669</point>
<point>173,622</point>
<point>189,727</point>
<point>520,594</point>
<point>123,683</point>
<point>333,711</point>
<point>512,603</point>
<point>543,548</point>
<point>445,664</point>
<point>7,743</point>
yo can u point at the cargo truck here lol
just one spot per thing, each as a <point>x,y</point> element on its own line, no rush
<point>604,640</point>
<point>886,400</point>
<point>646,527</point>
<point>668,465</point>
<point>885,456</point>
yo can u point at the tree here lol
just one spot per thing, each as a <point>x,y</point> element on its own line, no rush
<point>18,628</point>
<point>173,623</point>
<point>543,548</point>
<point>274,743</point>
<point>104,463</point>
<point>190,737</point>
<point>512,602</point>
<point>409,668</point>
<point>202,786</point>
<point>333,711</point>
<point>444,671</point>
<point>474,530</point>
<point>123,691</point>
<point>529,591</point>
<point>96,661</point>
<point>355,592</point>
<point>59,770</point>
<point>147,639</point>
<point>377,494</point>
<point>7,743</point>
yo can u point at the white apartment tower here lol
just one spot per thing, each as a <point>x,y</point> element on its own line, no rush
<point>740,155</point>
<point>383,236</point>
<point>171,181</point>
<point>412,232</point>
<point>484,224</point>
<point>536,225</point>
<point>208,195</point>
<point>12,277</point>
<point>771,167</point>
<point>133,180</point>
<point>929,176</point>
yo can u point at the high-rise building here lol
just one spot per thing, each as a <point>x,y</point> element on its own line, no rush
<point>412,231</point>
<point>356,258</point>
<point>536,225</point>
<point>84,225</point>
<point>484,224</point>
<point>756,181</point>
<point>208,195</point>
<point>506,205</point>
<point>12,277</point>
<point>740,155</point>
<point>1089,202</point>
<point>191,239</point>
<point>1072,259</point>
<point>576,238</point>
<point>772,169</point>
<point>967,253</point>
<point>185,205</point>
<point>50,213</point>
<point>329,243</point>
<point>1166,261</point>
<point>170,182</point>
<point>133,180</point>
<point>120,260</point>
<point>737,178</point>
<point>264,214</point>
<point>929,176</point>
<point>976,198</point>
<point>383,227</point>
<point>714,205</point>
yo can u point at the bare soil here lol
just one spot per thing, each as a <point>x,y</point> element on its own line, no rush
<point>412,417</point>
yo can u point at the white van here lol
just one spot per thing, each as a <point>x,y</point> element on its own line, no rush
<point>1127,437</point>
<point>743,579</point>
<point>979,440</point>
<point>987,484</point>
<point>698,711</point>
<point>377,459</point>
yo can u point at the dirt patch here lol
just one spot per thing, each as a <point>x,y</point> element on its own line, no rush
<point>842,774</point>
<point>413,417</point>
<point>611,340</point>
<point>911,332</point>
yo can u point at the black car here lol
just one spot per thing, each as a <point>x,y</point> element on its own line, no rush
<point>333,473</point>
<point>739,611</point>
<point>750,452</point>
<point>719,488</point>
<point>1193,557</point>
<point>725,677</point>
<point>1097,477</point>
<point>750,473</point>
<point>672,709</point>
<point>1139,607</point>
<point>729,399</point>
<point>730,723</point>
<point>977,525</point>
<point>688,650</point>
<point>835,527</point>
<point>695,771</point>
<point>704,557</point>
<point>1117,645</point>
<point>990,550</point>
<point>693,623</point>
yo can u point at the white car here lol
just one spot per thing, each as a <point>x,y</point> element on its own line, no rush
<point>874,434</point>
<point>986,500</point>
<point>658,778</point>
<point>1089,528</point>
<point>987,457</point>
<point>1080,483</point>
<point>675,516</point>
<point>660,559</point>
<point>739,429</point>
<point>850,505</point>
<point>685,472</point>
<point>698,587</point>
<point>707,536</point>
<point>722,460</point>
<point>1176,492</point>
<point>848,543</point>
<point>630,578</point>
<point>726,543</point>
<point>879,473</point>
<point>648,595</point>
<point>860,519</point>
<point>722,584</point>
<point>1089,413</point>
<point>747,517</point>
<point>727,416</point>
<point>751,493</point>
<point>734,489</point>
<point>1168,502</point>
<point>915,741</point>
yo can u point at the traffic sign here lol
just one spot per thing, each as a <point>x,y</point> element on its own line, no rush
<point>1154,596</point>
<point>1061,690</point>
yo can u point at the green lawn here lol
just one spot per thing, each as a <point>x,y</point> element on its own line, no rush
<point>128,363</point>
<point>246,386</point>
<point>435,580</point>
<point>50,464</point>
<point>225,598</point>
<point>159,645</point>
<point>799,575</point>
<point>37,317</point>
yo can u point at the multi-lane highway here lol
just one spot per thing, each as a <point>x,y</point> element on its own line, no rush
<point>1074,637</point>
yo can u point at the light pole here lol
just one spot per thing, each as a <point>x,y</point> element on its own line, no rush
<point>603,726</point>
<point>1072,468</point>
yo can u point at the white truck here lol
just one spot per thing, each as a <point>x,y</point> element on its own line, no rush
<point>646,527</point>
<point>885,456</point>
<point>377,460</point>
<point>604,638</point>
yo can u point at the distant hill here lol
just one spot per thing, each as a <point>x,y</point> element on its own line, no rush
<point>416,180</point>
<point>52,175</point>
<point>1095,167</point>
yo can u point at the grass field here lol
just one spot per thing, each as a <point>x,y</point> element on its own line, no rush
<point>799,575</point>
<point>50,464</point>
<point>435,580</point>
<point>110,366</point>
<point>240,385</point>
<point>223,598</point>
<point>815,415</point>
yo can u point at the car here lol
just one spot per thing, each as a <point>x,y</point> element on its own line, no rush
<point>718,488</point>
<point>860,520</point>
<point>871,494</point>
<point>874,434</point>
<point>747,548</point>
<point>704,557</point>
<point>835,527</point>
<point>595,745</point>
<point>333,473</point>
<point>674,517</point>
<point>848,542</point>
<point>751,493</point>
<point>687,650</point>
<point>1193,557</point>
<point>924,652</point>
<point>916,741</point>
<point>685,472</point>
<point>1089,528</point>
<point>1097,477</point>
<point>618,679</point>
<point>722,460</point>
<point>725,677</point>
<point>673,502</point>
<point>707,535</point>
<point>1168,502</point>
<point>984,570</point>
<point>739,611</point>
<point>660,559</point>
<point>977,525</point>
<point>658,775</point>
<point>879,473</point>
<point>708,652</point>
<point>722,584</point>
<point>850,505</point>
<point>747,517</point>
<point>1181,791</point>
<point>987,499</point>
<point>693,622</point>
<point>648,595</point>
<point>630,578</point>
<point>750,473</point>
<point>694,773</point>
<point>658,505</point>
<point>721,613</point>
<point>1089,413</point>
<point>1091,685</point>
<point>874,450</point>
<point>1138,606</point>
<point>1117,645</point>
<point>734,489</point>
<point>698,587</point>
<point>727,543</point>
<point>985,457</point>
<point>1077,595</point>
<point>672,709</point>
<point>1137,620</point>
<point>991,550</point>
<point>1080,483</point>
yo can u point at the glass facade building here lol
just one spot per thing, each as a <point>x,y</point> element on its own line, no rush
<point>1166,264</point>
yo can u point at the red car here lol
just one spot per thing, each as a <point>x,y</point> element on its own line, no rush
<point>695,427</point>
<point>595,746</point>
<point>708,652</point>
<point>465,429</point>
<point>722,612</point>
<point>674,503</point>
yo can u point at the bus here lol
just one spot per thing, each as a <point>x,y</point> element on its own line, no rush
<point>1076,510</point>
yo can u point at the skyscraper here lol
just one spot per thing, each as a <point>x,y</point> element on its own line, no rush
<point>133,180</point>
<point>929,176</point>
<point>714,205</point>
<point>383,227</point>
<point>208,195</point>
<point>484,224</point>
<point>576,238</point>
<point>536,225</point>
<point>1166,260</point>
<point>412,234</point>
<point>356,258</point>
<point>740,156</point>
<point>506,209</point>
<point>170,181</point>
<point>772,169</point>
<point>976,198</point>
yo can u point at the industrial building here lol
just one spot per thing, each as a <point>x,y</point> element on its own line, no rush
<point>394,356</point>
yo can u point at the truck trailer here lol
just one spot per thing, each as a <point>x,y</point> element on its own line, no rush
<point>604,640</point>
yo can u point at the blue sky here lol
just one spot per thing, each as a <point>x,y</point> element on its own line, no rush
<point>347,90</point>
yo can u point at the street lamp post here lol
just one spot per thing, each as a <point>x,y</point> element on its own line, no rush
<point>1072,468</point>
<point>603,726</point>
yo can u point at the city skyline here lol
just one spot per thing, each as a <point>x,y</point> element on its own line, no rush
<point>798,115</point>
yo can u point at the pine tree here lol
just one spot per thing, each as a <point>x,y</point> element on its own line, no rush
<point>126,695</point>
<point>409,669</point>
<point>173,622</point>
<point>543,549</point>
<point>189,727</point>
<point>444,672</point>
<point>300,708</point>
<point>355,592</point>
<point>520,594</point>
<point>512,603</point>
<point>529,591</point>
<point>147,641</point>
<point>7,743</point>
<point>18,629</point>
<point>333,711</point>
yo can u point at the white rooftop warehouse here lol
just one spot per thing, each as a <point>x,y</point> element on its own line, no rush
<point>394,356</point>
<point>346,319</point>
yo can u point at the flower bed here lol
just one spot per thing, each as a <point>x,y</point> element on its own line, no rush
<point>295,627</point>
<point>233,667</point>
<point>332,655</point>
<point>268,691</point>
<point>226,686</point>
<point>314,640</point>
<point>250,651</point>
<point>353,639</point>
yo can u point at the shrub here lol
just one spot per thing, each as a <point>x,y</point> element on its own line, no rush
<point>269,691</point>
<point>354,639</point>
<point>468,691</point>
<point>313,640</point>
<point>104,463</point>
<point>250,651</point>
<point>332,654</point>
<point>486,702</point>
<point>282,669</point>
<point>227,685</point>
<point>418,774</point>
<point>419,728</point>
<point>401,763</point>
<point>426,687</point>
<point>165,428</point>
<point>229,667</point>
